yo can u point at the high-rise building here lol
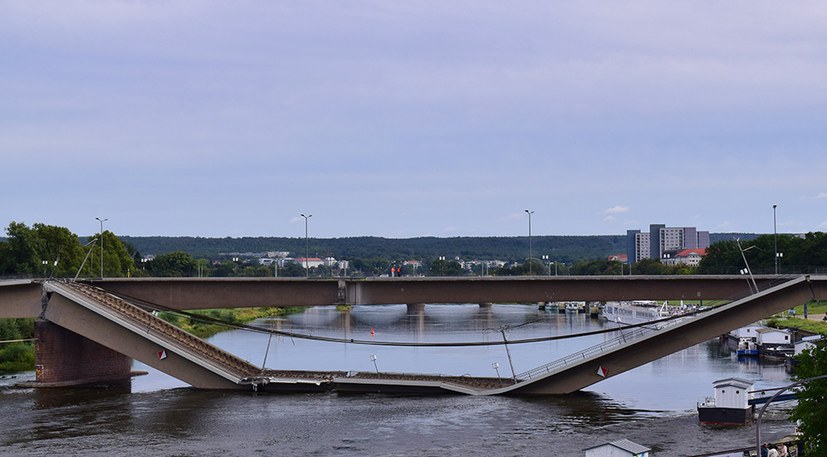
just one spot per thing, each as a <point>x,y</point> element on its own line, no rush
<point>661,240</point>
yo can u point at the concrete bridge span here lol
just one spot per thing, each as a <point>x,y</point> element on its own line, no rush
<point>206,293</point>
<point>108,328</point>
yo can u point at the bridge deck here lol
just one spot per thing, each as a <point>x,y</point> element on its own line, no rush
<point>115,323</point>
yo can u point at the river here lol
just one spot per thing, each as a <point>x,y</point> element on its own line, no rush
<point>653,405</point>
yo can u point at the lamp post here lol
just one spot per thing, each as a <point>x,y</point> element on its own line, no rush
<point>767,403</point>
<point>529,212</point>
<point>101,221</point>
<point>775,237</point>
<point>747,270</point>
<point>306,246</point>
<point>496,367</point>
<point>548,264</point>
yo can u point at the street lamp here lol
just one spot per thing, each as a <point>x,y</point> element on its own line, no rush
<point>529,212</point>
<point>775,237</point>
<point>767,403</point>
<point>548,264</point>
<point>101,221</point>
<point>373,359</point>
<point>306,246</point>
<point>747,270</point>
<point>496,367</point>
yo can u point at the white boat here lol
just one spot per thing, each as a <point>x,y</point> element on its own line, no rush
<point>730,405</point>
<point>637,312</point>
<point>747,347</point>
<point>575,306</point>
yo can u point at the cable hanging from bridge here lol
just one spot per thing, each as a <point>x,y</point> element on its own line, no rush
<point>330,339</point>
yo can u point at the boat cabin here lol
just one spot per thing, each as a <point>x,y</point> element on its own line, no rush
<point>773,337</point>
<point>732,393</point>
<point>750,331</point>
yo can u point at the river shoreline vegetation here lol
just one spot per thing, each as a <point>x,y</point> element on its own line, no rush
<point>208,322</point>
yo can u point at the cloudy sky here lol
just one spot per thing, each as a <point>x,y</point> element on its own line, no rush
<point>420,118</point>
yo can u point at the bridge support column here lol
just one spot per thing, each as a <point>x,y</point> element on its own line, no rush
<point>414,308</point>
<point>64,358</point>
<point>485,306</point>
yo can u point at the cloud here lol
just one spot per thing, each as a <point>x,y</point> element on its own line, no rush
<point>819,196</point>
<point>823,225</point>
<point>617,210</point>
<point>609,219</point>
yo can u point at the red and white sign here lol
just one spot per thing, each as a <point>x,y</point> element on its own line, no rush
<point>162,354</point>
<point>602,371</point>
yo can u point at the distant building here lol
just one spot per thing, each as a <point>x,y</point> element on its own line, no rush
<point>662,240</point>
<point>312,262</point>
<point>690,257</point>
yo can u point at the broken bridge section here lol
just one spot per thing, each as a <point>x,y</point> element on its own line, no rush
<point>94,332</point>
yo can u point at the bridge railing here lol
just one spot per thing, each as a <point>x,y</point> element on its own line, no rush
<point>624,338</point>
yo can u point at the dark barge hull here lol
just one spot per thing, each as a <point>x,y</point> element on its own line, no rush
<point>725,416</point>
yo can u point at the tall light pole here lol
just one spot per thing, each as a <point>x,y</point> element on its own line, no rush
<point>529,212</point>
<point>101,221</point>
<point>775,237</point>
<point>306,246</point>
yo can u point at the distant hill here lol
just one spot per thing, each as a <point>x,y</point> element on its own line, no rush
<point>559,248</point>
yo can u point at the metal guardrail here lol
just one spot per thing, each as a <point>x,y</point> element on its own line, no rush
<point>623,338</point>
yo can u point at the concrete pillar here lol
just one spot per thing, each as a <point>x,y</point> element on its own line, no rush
<point>416,308</point>
<point>64,358</point>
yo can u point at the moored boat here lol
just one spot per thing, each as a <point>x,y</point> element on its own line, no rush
<point>730,405</point>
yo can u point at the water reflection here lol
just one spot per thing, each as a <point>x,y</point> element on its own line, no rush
<point>674,382</point>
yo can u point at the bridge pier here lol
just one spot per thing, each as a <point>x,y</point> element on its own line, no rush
<point>64,358</point>
<point>414,308</point>
<point>485,306</point>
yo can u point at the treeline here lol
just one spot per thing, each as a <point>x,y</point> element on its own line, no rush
<point>561,248</point>
<point>796,255</point>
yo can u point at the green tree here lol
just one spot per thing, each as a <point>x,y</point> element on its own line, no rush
<point>811,400</point>
<point>648,267</point>
<point>174,264</point>
<point>42,250</point>
<point>448,267</point>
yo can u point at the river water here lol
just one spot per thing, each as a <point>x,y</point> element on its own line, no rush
<point>653,405</point>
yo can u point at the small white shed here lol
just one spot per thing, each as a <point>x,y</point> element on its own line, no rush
<point>750,331</point>
<point>807,342</point>
<point>732,393</point>
<point>773,336</point>
<point>619,448</point>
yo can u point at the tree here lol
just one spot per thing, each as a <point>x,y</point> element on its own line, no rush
<point>648,267</point>
<point>175,264</point>
<point>42,250</point>
<point>442,267</point>
<point>811,399</point>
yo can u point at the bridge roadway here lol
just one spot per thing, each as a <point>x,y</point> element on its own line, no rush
<point>209,293</point>
<point>114,322</point>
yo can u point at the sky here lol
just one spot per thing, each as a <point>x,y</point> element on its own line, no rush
<point>420,118</point>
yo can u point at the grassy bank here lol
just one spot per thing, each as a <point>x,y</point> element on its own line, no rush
<point>204,328</point>
<point>798,322</point>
